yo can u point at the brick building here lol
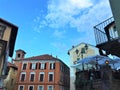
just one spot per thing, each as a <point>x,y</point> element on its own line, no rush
<point>43,72</point>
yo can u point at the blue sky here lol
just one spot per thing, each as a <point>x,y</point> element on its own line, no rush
<point>54,26</point>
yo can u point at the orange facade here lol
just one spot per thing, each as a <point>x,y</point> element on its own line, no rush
<point>43,72</point>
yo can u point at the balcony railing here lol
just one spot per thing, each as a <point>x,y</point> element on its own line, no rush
<point>100,34</point>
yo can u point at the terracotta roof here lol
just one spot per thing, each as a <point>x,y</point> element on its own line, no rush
<point>41,57</point>
<point>21,51</point>
<point>11,65</point>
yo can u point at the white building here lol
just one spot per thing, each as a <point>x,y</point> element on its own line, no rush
<point>78,52</point>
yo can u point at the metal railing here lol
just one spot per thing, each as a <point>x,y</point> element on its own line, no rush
<point>100,34</point>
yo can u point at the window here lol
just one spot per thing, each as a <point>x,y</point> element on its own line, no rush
<point>113,32</point>
<point>33,66</point>
<point>52,65</point>
<point>21,88</point>
<point>23,75</point>
<point>41,87</point>
<point>24,66</point>
<point>32,76</point>
<point>39,65</point>
<point>50,87</point>
<point>41,76</point>
<point>31,88</point>
<point>51,76</point>
<point>2,28</point>
<point>43,66</point>
<point>18,55</point>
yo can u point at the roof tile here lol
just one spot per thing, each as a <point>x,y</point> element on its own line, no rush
<point>41,57</point>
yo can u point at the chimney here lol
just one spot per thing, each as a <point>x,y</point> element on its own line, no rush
<point>20,54</point>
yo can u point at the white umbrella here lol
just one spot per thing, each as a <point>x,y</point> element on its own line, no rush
<point>116,63</point>
<point>82,66</point>
<point>91,61</point>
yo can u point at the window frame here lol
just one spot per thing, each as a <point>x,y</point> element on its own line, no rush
<point>40,76</point>
<point>24,77</point>
<point>32,73</point>
<point>43,66</point>
<point>20,86</point>
<point>25,66</point>
<point>51,73</point>
<point>52,66</point>
<point>30,86</point>
<point>42,87</point>
<point>33,66</point>
<point>48,87</point>
<point>18,55</point>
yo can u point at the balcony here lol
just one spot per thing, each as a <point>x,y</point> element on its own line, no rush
<point>99,30</point>
<point>107,39</point>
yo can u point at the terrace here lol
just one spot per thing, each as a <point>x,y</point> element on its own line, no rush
<point>97,73</point>
<point>106,38</point>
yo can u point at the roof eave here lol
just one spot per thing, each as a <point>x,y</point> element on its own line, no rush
<point>13,35</point>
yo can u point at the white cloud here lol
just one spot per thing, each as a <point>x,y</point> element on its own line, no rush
<point>59,34</point>
<point>80,3</point>
<point>73,12</point>
<point>61,12</point>
<point>59,46</point>
<point>87,38</point>
<point>95,15</point>
<point>79,14</point>
<point>67,6</point>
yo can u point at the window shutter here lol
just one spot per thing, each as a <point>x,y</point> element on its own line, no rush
<point>50,65</point>
<point>36,65</point>
<point>45,66</point>
<point>54,66</point>
<point>39,65</point>
<point>30,65</point>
